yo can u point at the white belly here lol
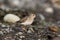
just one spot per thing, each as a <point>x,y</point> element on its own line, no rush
<point>27,23</point>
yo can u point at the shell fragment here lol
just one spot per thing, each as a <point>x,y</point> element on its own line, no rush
<point>11,18</point>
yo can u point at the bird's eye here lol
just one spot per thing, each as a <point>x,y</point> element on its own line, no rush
<point>33,15</point>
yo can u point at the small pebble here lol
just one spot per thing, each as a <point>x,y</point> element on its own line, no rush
<point>56,38</point>
<point>14,2</point>
<point>19,33</point>
<point>22,36</point>
<point>29,31</point>
<point>49,10</point>
<point>54,28</point>
<point>3,25</point>
<point>59,35</point>
<point>42,16</point>
<point>39,39</point>
<point>1,32</point>
<point>11,18</point>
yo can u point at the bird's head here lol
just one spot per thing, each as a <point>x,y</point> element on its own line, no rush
<point>33,15</point>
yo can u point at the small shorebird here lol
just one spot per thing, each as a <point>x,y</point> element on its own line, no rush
<point>28,20</point>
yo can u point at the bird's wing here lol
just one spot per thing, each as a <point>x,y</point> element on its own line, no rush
<point>23,19</point>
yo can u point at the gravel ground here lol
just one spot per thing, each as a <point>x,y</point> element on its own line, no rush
<point>40,29</point>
